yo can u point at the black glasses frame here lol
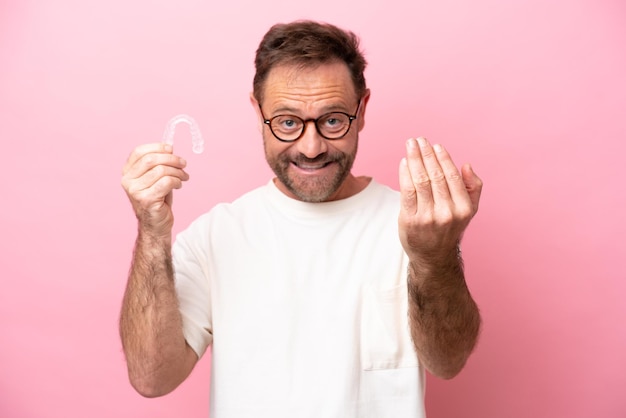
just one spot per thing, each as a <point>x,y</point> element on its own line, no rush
<point>351,118</point>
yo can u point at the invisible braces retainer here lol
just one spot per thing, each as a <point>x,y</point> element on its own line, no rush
<point>196,136</point>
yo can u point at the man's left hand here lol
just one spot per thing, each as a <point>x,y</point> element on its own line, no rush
<point>437,201</point>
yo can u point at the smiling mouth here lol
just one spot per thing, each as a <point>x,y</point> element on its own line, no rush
<point>311,166</point>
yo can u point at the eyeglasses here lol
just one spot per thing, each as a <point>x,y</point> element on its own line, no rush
<point>290,128</point>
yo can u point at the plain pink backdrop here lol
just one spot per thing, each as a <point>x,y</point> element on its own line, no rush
<point>532,93</point>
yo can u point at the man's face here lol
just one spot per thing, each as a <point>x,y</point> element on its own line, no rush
<point>312,169</point>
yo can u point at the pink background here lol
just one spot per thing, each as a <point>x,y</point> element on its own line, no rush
<point>532,93</point>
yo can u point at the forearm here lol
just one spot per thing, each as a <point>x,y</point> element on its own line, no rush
<point>444,318</point>
<point>150,324</point>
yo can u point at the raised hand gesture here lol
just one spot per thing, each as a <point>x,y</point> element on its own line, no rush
<point>437,201</point>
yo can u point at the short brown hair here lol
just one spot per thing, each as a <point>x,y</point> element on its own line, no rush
<point>307,43</point>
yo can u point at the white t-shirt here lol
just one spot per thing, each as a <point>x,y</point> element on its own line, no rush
<point>304,305</point>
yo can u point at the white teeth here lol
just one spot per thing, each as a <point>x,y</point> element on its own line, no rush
<point>311,167</point>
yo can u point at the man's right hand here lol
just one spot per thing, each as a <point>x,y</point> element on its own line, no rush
<point>149,176</point>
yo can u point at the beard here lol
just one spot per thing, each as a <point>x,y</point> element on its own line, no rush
<point>313,189</point>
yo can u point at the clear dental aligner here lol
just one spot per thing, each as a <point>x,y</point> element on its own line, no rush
<point>196,136</point>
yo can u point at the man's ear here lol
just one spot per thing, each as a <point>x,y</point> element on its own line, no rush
<point>361,116</point>
<point>257,109</point>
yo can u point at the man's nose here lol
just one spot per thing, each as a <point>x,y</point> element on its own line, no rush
<point>311,143</point>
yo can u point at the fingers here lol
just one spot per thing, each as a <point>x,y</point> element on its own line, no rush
<point>473,185</point>
<point>408,196</point>
<point>155,173</point>
<point>431,178</point>
<point>420,178</point>
<point>159,181</point>
<point>142,150</point>
<point>146,157</point>
<point>150,174</point>
<point>458,193</point>
<point>437,200</point>
<point>149,163</point>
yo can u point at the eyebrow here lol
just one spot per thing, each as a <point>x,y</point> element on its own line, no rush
<point>283,110</point>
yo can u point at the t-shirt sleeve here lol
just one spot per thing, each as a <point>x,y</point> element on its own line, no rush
<point>191,273</point>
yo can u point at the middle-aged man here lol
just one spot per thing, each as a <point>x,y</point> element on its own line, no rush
<point>322,294</point>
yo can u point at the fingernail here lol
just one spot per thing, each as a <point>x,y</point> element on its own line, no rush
<point>167,148</point>
<point>438,148</point>
<point>411,143</point>
<point>422,141</point>
<point>183,161</point>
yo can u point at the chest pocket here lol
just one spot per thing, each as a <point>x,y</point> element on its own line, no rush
<point>385,337</point>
